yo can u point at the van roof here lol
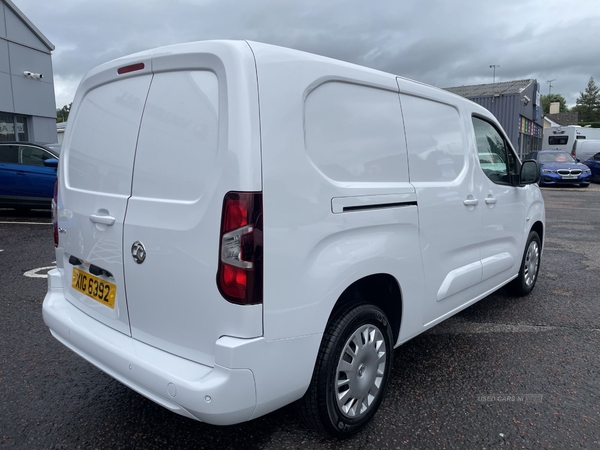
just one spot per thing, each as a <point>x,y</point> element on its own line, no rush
<point>278,53</point>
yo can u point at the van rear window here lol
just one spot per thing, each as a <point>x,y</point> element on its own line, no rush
<point>558,140</point>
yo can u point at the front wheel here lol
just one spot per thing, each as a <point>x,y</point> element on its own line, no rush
<point>351,373</point>
<point>530,266</point>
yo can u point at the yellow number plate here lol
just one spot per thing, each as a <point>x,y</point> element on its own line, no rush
<point>100,290</point>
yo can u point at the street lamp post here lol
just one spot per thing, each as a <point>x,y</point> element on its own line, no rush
<point>493,66</point>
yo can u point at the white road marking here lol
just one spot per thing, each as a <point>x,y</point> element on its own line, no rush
<point>27,223</point>
<point>33,273</point>
<point>485,328</point>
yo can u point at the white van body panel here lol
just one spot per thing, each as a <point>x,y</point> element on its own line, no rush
<point>209,105</point>
<point>586,149</point>
<point>341,155</point>
<point>324,253</point>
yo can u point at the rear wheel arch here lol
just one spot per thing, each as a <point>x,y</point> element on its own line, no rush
<point>355,358</point>
<point>381,290</point>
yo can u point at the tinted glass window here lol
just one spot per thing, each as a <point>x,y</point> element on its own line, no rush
<point>550,157</point>
<point>558,140</point>
<point>597,156</point>
<point>8,154</point>
<point>495,157</point>
<point>33,156</point>
<point>436,151</point>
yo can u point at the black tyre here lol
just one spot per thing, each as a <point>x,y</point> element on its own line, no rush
<point>584,185</point>
<point>351,373</point>
<point>530,266</point>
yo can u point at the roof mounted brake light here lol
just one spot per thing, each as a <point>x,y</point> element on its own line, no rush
<point>130,68</point>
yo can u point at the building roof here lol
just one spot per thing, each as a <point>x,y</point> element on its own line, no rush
<point>564,118</point>
<point>551,122</point>
<point>29,24</point>
<point>484,90</point>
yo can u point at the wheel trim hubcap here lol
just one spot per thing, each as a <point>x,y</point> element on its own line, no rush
<point>532,260</point>
<point>360,371</point>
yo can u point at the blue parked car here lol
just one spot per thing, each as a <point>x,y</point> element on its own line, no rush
<point>27,175</point>
<point>558,167</point>
<point>594,164</point>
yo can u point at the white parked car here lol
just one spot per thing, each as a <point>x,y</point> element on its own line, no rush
<point>265,226</point>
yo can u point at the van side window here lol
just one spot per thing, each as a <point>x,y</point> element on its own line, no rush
<point>354,133</point>
<point>495,156</point>
<point>436,151</point>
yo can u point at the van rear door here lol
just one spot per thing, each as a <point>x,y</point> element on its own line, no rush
<point>195,145</point>
<point>95,182</point>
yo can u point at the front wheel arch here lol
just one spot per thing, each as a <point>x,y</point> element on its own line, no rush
<point>530,266</point>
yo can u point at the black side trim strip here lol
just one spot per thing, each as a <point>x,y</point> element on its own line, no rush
<point>378,206</point>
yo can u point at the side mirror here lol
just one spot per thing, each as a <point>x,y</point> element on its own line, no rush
<point>51,162</point>
<point>530,172</point>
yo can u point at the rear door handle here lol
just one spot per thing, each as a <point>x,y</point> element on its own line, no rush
<point>104,220</point>
<point>470,202</point>
<point>490,201</point>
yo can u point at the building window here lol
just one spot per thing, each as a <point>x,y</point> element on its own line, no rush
<point>13,128</point>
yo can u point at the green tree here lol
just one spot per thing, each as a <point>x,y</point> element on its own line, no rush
<point>588,103</point>
<point>547,99</point>
<point>62,114</point>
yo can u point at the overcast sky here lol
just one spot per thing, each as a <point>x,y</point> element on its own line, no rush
<point>440,42</point>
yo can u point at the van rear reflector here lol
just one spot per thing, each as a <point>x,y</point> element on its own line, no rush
<point>130,68</point>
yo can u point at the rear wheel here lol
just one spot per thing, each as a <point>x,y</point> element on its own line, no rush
<point>351,373</point>
<point>530,266</point>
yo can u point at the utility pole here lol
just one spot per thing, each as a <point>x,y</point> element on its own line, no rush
<point>493,66</point>
<point>550,85</point>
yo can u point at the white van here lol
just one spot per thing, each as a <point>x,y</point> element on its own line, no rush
<point>567,137</point>
<point>585,149</point>
<point>240,226</point>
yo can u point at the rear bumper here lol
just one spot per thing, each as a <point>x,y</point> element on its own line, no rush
<point>251,377</point>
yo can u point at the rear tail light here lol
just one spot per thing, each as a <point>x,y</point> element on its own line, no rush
<point>55,213</point>
<point>240,274</point>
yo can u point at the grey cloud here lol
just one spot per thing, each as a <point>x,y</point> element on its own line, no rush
<point>436,41</point>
